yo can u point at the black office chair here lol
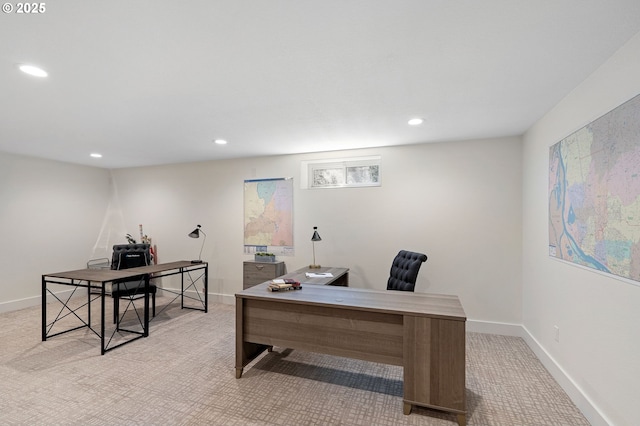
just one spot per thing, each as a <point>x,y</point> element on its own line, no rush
<point>130,256</point>
<point>404,270</point>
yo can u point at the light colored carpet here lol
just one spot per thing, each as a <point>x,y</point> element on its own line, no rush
<point>183,374</point>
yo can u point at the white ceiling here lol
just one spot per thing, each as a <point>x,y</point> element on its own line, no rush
<point>150,82</point>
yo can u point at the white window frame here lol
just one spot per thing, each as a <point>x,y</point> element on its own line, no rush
<point>338,173</point>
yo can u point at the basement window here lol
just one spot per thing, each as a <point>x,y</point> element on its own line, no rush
<point>341,173</point>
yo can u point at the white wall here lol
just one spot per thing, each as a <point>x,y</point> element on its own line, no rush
<point>598,316</point>
<point>50,215</point>
<point>458,202</point>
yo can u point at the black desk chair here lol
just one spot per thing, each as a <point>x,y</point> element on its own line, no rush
<point>404,270</point>
<point>130,256</point>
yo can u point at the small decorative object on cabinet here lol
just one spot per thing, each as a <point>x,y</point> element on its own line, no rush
<point>264,257</point>
<point>258,272</point>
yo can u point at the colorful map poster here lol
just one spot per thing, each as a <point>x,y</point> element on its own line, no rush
<point>594,194</point>
<point>268,216</point>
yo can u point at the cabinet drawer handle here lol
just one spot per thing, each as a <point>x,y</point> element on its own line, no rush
<point>260,267</point>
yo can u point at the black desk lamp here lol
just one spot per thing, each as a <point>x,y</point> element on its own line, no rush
<point>196,234</point>
<point>314,238</point>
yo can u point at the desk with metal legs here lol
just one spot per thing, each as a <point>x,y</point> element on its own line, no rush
<point>423,333</point>
<point>97,279</point>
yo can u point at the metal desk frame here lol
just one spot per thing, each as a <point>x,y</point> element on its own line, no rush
<point>97,279</point>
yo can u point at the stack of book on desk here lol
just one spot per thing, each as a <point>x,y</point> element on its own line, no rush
<point>280,284</point>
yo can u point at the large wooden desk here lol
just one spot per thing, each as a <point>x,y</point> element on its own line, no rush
<point>424,333</point>
<point>99,278</point>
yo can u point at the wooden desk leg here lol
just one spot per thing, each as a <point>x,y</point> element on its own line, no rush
<point>406,408</point>
<point>462,420</point>
<point>238,373</point>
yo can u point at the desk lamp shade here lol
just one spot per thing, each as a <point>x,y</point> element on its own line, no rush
<point>315,237</point>
<point>196,234</point>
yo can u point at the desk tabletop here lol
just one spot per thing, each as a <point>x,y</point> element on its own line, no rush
<point>387,301</point>
<point>301,277</point>
<point>107,275</point>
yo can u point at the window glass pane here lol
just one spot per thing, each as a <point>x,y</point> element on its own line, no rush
<point>362,175</point>
<point>328,177</point>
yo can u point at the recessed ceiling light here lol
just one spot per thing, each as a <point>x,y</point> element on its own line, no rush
<point>415,121</point>
<point>220,142</point>
<point>32,70</point>
<point>96,155</point>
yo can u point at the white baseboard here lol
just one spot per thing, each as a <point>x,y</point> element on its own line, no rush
<point>227,299</point>
<point>582,401</point>
<point>28,302</point>
<point>14,305</point>
<point>584,404</point>
<point>500,328</point>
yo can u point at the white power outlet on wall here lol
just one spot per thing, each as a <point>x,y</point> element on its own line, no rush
<point>556,333</point>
